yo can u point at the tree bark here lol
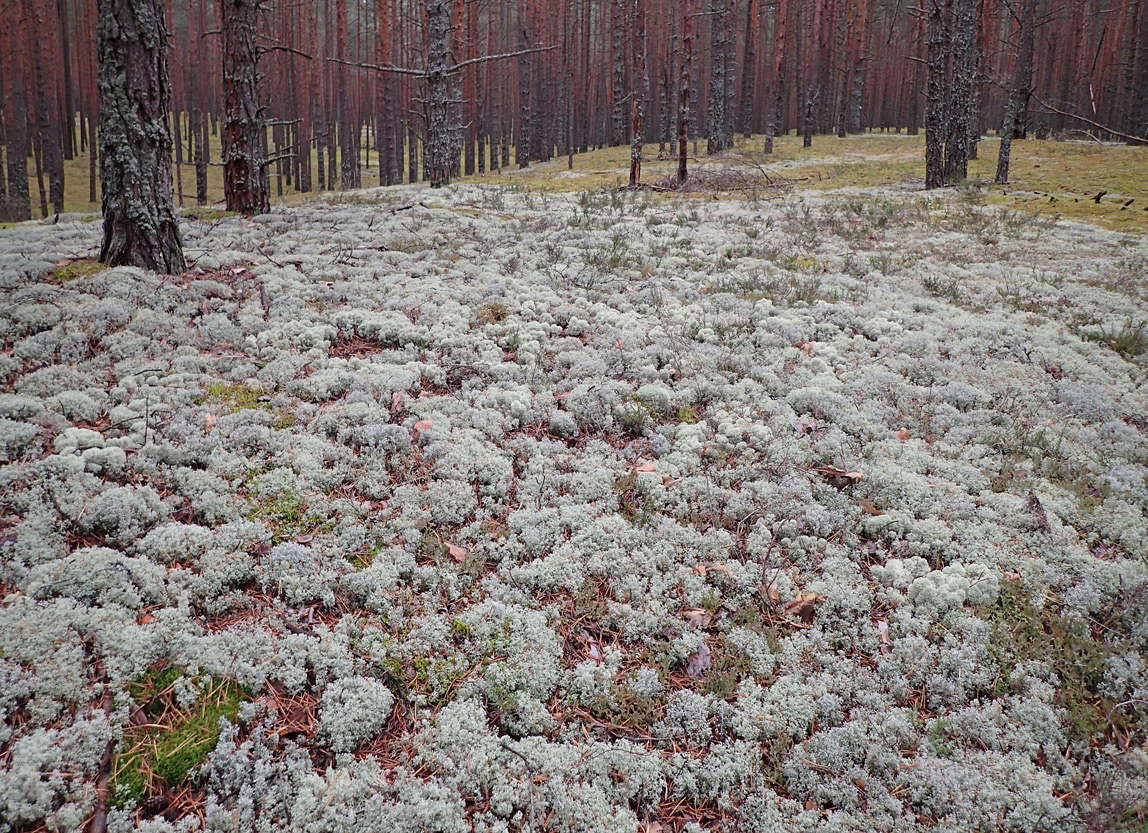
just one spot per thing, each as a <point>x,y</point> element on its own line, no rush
<point>684,95</point>
<point>716,128</point>
<point>441,152</point>
<point>960,92</point>
<point>48,116</point>
<point>1021,88</point>
<point>18,206</point>
<point>935,95</point>
<point>140,227</point>
<point>638,112</point>
<point>245,182</point>
<point>349,171</point>
<point>774,117</point>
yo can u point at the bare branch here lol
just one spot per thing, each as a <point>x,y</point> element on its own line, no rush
<point>500,57</point>
<point>418,73</point>
<point>263,50</point>
<point>1139,140</point>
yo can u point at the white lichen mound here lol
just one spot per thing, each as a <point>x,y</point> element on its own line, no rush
<point>512,511</point>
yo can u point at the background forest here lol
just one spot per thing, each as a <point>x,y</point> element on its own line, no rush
<point>580,74</point>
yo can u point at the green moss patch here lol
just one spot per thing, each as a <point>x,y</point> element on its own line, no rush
<point>1024,632</point>
<point>74,270</point>
<point>166,741</point>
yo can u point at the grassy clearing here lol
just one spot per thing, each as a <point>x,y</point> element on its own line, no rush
<point>1052,178</point>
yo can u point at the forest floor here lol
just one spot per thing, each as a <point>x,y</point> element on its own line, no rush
<point>810,501</point>
<point>1071,173</point>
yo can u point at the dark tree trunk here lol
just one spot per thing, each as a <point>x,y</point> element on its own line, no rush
<point>715,139</point>
<point>960,92</point>
<point>748,70</point>
<point>18,206</point>
<point>441,151</point>
<point>140,227</point>
<point>638,114</point>
<point>774,116</point>
<point>935,95</point>
<point>245,184</point>
<point>48,116</point>
<point>1021,88</point>
<point>618,90</point>
<point>980,56</point>
<point>1138,112</point>
<point>349,172</point>
<point>69,132</point>
<point>684,95</point>
<point>914,126</point>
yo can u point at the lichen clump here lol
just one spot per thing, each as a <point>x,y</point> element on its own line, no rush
<point>511,511</point>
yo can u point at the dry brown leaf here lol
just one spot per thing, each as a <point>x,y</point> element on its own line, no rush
<point>209,422</point>
<point>646,467</point>
<point>802,606</point>
<point>902,434</point>
<point>145,619</point>
<point>803,426</point>
<point>700,570</point>
<point>771,593</point>
<point>883,633</point>
<point>833,471</point>
<point>700,661</point>
<point>722,568</point>
<point>396,400</point>
<point>860,782</point>
<point>456,552</point>
<point>869,508</point>
<point>698,618</point>
<point>805,347</point>
<point>667,480</point>
<point>423,424</point>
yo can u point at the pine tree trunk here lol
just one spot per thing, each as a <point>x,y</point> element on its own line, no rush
<point>18,206</point>
<point>48,117</point>
<point>140,227</point>
<point>716,127</point>
<point>774,113</point>
<point>684,95</point>
<point>441,151</point>
<point>349,171</point>
<point>638,114</point>
<point>69,131</point>
<point>748,71</point>
<point>245,183</point>
<point>618,89</point>
<point>1021,88</point>
<point>960,92</point>
<point>934,108</point>
<point>1138,111</point>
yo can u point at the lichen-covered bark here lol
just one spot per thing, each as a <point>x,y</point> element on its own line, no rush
<point>715,140</point>
<point>935,94</point>
<point>960,93</point>
<point>441,144</point>
<point>245,184</point>
<point>773,113</point>
<point>140,227</point>
<point>684,97</point>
